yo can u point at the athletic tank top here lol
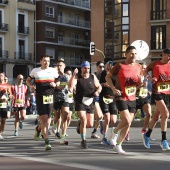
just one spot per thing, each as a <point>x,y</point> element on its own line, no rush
<point>84,88</point>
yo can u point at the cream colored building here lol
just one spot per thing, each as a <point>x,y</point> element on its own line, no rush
<point>16,37</point>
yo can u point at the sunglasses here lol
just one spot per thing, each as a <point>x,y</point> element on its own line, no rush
<point>20,78</point>
<point>110,63</point>
<point>101,66</point>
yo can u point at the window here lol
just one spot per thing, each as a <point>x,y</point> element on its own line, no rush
<point>49,11</point>
<point>49,32</point>
<point>75,59</point>
<point>158,37</point>
<point>50,52</point>
<point>158,9</point>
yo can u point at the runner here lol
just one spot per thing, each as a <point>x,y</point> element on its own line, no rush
<point>19,102</point>
<point>45,83</point>
<point>5,94</point>
<point>61,102</point>
<point>87,86</point>
<point>98,115</point>
<point>128,76</point>
<point>160,92</point>
<point>107,102</point>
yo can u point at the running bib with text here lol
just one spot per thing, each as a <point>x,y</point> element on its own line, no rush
<point>163,87</point>
<point>3,105</point>
<point>48,99</point>
<point>143,92</point>
<point>18,101</point>
<point>130,90</point>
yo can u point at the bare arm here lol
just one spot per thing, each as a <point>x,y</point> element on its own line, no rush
<point>29,84</point>
<point>98,86</point>
<point>73,80</point>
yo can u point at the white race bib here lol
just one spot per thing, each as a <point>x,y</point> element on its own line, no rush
<point>87,101</point>
<point>3,105</point>
<point>130,90</point>
<point>48,99</point>
<point>163,86</point>
<point>143,92</point>
<point>107,100</point>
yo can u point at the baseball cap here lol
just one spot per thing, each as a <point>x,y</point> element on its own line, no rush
<point>85,64</point>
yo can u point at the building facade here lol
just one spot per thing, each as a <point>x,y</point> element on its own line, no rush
<point>16,37</point>
<point>63,30</point>
<point>128,20</point>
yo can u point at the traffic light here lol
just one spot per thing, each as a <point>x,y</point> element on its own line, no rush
<point>92,48</point>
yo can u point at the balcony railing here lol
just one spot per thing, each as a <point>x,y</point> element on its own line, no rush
<point>73,41</point>
<point>26,1</point>
<point>3,27</point>
<point>4,2</point>
<point>78,3</point>
<point>3,54</point>
<point>23,56</point>
<point>23,30</point>
<point>70,21</point>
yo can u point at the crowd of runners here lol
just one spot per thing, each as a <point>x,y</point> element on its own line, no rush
<point>114,89</point>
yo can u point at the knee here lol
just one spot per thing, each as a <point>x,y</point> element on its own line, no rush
<point>89,125</point>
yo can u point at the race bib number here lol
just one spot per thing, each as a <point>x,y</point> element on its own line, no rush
<point>143,92</point>
<point>163,87</point>
<point>48,99</point>
<point>63,83</point>
<point>130,90</point>
<point>18,101</point>
<point>87,101</point>
<point>107,101</point>
<point>3,105</point>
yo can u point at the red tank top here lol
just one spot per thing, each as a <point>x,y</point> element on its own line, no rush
<point>128,77</point>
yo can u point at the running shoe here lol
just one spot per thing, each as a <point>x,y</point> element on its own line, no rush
<point>84,144</point>
<point>37,134</point>
<point>113,138</point>
<point>105,141</point>
<point>64,141</point>
<point>66,135</point>
<point>78,127</point>
<point>101,127</point>
<point>58,135</point>
<point>146,141</point>
<point>1,138</point>
<point>143,131</point>
<point>20,124</point>
<point>118,149</point>
<point>164,145</point>
<point>127,137</point>
<point>48,147</point>
<point>16,133</point>
<point>95,136</point>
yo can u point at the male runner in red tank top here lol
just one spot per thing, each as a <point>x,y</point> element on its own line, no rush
<point>160,93</point>
<point>128,77</point>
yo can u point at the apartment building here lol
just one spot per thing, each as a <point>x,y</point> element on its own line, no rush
<point>63,30</point>
<point>126,21</point>
<point>16,37</point>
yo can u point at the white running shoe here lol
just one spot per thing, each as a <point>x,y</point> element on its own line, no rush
<point>113,138</point>
<point>1,138</point>
<point>118,149</point>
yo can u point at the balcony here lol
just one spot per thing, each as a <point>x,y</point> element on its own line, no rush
<point>3,2</point>
<point>73,42</point>
<point>26,5</point>
<point>3,54</point>
<point>74,22</point>
<point>3,27</point>
<point>76,3</point>
<point>23,30</point>
<point>23,56</point>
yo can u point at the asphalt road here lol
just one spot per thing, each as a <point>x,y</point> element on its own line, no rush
<point>23,153</point>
